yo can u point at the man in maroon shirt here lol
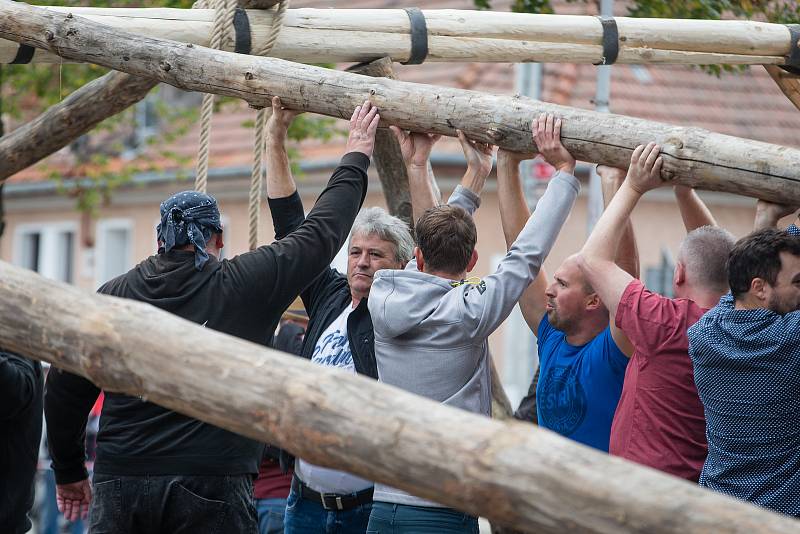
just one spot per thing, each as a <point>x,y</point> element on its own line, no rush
<point>659,420</point>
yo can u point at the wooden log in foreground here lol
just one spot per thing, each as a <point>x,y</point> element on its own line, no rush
<point>363,35</point>
<point>692,156</point>
<point>69,119</point>
<point>512,473</point>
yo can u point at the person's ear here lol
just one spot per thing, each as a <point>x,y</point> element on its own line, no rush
<point>472,260</point>
<point>420,259</point>
<point>758,288</point>
<point>218,241</point>
<point>679,278</point>
<point>593,301</point>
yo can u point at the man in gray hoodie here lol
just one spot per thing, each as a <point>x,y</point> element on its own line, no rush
<point>431,325</point>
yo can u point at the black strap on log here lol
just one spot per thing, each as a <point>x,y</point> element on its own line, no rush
<point>610,41</point>
<point>241,28</point>
<point>419,36</point>
<point>793,57</point>
<point>24,55</point>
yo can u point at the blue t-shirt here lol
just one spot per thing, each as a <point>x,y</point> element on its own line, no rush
<point>579,387</point>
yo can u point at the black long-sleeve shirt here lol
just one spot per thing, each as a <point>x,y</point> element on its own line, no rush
<point>245,297</point>
<point>21,385</point>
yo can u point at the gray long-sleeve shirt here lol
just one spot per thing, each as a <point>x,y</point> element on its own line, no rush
<point>431,337</point>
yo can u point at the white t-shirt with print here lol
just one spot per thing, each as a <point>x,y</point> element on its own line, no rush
<point>332,350</point>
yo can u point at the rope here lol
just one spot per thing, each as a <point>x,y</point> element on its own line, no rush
<point>220,32</point>
<point>257,173</point>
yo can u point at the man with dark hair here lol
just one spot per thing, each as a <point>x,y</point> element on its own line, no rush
<point>160,471</point>
<point>21,386</point>
<point>432,324</point>
<point>746,357</point>
<point>659,420</point>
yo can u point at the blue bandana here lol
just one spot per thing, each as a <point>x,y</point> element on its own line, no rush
<point>189,218</point>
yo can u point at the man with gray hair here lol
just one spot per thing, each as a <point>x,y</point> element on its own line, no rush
<point>340,330</point>
<point>659,420</point>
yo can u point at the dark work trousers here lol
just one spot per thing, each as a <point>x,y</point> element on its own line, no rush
<point>172,504</point>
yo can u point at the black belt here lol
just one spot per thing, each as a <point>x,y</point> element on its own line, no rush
<point>332,501</point>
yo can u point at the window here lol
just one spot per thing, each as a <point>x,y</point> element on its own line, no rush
<point>659,279</point>
<point>48,249</point>
<point>113,254</point>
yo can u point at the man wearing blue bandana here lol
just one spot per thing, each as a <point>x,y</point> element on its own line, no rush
<point>160,471</point>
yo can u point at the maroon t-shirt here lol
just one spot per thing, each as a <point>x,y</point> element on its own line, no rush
<point>659,420</point>
<point>271,482</point>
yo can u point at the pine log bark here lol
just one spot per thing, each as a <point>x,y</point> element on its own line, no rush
<point>788,83</point>
<point>692,156</point>
<point>69,119</point>
<point>514,474</point>
<point>363,35</point>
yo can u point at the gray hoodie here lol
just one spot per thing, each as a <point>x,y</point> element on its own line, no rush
<point>431,334</point>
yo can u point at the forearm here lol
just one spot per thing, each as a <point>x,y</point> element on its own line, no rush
<point>514,211</point>
<point>280,182</point>
<point>474,181</point>
<point>627,253</point>
<point>694,211</point>
<point>422,188</point>
<point>67,402</point>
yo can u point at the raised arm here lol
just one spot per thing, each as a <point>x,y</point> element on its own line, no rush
<point>694,211</point>
<point>597,256</point>
<point>769,213</point>
<point>285,205</point>
<point>514,213</point>
<point>416,151</point>
<point>273,275</point>
<point>627,256</point>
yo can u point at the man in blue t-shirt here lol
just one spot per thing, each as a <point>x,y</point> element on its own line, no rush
<point>582,358</point>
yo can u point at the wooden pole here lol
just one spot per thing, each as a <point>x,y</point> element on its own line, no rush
<point>363,35</point>
<point>693,156</point>
<point>788,83</point>
<point>69,119</point>
<point>514,474</point>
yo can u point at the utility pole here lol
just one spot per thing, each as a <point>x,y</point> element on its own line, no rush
<point>601,103</point>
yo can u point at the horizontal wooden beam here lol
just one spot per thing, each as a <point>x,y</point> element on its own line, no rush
<point>362,35</point>
<point>515,474</point>
<point>693,156</point>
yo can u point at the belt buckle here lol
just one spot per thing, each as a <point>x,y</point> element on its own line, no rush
<point>336,498</point>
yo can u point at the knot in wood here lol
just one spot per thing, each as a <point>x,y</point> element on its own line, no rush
<point>372,92</point>
<point>248,76</point>
<point>165,66</point>
<point>49,35</point>
<point>69,15</point>
<point>189,45</point>
<point>126,58</point>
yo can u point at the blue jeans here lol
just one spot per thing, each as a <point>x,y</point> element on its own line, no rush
<point>270,515</point>
<point>174,504</point>
<point>308,517</point>
<point>388,518</point>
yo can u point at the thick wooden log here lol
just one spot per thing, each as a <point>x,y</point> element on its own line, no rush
<point>363,35</point>
<point>69,119</point>
<point>514,474</point>
<point>692,156</point>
